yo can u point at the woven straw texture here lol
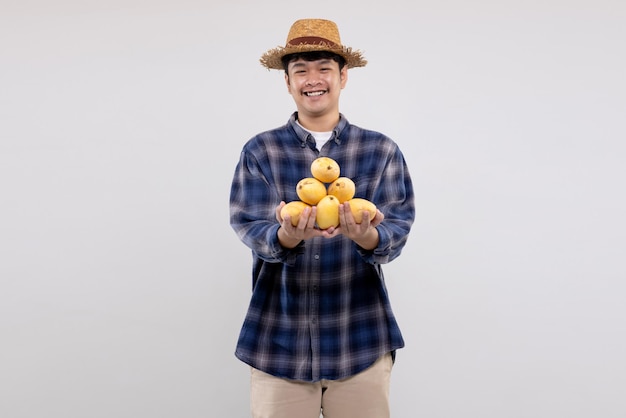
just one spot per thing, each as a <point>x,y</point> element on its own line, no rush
<point>312,35</point>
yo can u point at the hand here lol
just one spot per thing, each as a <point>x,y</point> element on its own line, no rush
<point>365,233</point>
<point>289,235</point>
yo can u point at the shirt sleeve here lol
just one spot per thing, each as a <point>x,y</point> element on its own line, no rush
<point>253,202</point>
<point>394,197</point>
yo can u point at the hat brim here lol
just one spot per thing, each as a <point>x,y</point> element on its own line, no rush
<point>272,59</point>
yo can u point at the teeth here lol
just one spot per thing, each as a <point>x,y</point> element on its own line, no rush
<point>314,93</point>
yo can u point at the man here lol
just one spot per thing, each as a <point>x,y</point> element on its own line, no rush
<point>319,333</point>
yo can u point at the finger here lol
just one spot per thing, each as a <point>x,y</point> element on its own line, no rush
<point>304,218</point>
<point>347,219</point>
<point>378,218</point>
<point>278,209</point>
<point>365,218</point>
<point>312,217</point>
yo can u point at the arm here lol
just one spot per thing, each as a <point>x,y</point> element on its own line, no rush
<point>253,200</point>
<point>382,239</point>
<point>393,195</point>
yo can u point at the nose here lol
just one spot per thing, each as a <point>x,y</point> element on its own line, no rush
<point>313,79</point>
<point>311,83</point>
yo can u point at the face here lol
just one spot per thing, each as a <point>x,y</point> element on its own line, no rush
<point>315,86</point>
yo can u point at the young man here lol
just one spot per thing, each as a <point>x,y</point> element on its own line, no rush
<point>319,333</point>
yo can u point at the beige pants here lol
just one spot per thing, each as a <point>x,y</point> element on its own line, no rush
<point>365,395</point>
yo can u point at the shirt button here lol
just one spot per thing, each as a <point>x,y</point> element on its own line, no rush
<point>316,256</point>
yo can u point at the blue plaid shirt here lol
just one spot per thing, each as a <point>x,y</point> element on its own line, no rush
<point>320,310</point>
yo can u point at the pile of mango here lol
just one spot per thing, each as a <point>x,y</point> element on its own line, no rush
<point>326,190</point>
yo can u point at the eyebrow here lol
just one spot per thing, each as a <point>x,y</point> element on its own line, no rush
<point>297,64</point>
<point>323,61</point>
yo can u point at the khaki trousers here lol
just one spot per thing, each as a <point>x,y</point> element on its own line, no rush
<point>365,395</point>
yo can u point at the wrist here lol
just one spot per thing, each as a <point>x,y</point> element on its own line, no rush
<point>285,240</point>
<point>369,241</point>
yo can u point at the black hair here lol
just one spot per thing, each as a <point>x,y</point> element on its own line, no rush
<point>313,56</point>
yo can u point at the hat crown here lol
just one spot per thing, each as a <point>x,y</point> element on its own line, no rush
<point>313,32</point>
<point>312,35</point>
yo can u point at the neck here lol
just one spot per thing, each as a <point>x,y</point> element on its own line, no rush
<point>324,123</point>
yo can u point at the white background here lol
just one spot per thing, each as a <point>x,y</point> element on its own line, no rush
<point>123,287</point>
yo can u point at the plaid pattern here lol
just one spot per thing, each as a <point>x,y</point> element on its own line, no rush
<point>320,310</point>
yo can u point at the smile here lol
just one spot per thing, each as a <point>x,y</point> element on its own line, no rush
<point>314,93</point>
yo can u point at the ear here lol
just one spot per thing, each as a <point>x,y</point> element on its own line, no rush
<point>287,82</point>
<point>343,76</point>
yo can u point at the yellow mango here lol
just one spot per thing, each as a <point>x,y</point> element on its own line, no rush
<point>327,212</point>
<point>357,205</point>
<point>343,189</point>
<point>325,169</point>
<point>310,190</point>
<point>293,209</point>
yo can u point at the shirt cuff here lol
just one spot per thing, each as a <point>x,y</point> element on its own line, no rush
<point>282,254</point>
<point>380,254</point>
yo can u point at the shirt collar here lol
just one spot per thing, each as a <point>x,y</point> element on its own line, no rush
<point>305,136</point>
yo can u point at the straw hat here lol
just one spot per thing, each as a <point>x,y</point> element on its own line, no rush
<point>312,35</point>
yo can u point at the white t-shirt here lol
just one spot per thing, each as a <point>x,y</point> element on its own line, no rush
<point>320,137</point>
